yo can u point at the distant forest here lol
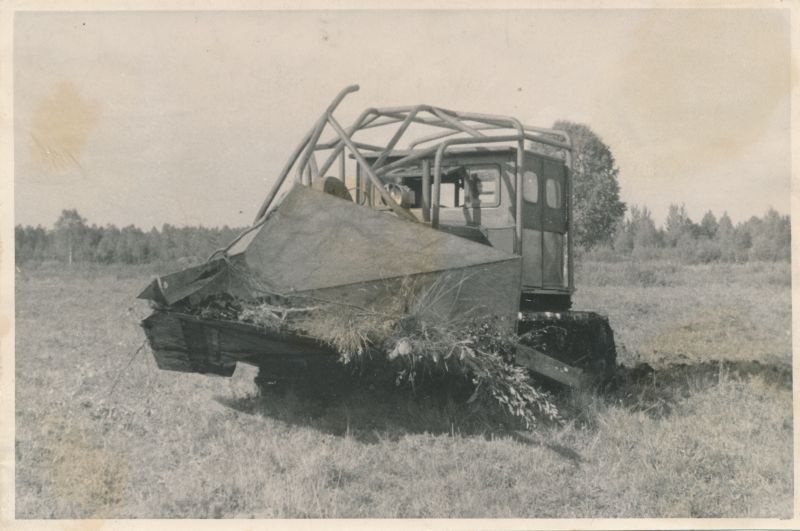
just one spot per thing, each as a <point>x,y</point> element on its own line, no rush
<point>711,239</point>
<point>767,238</point>
<point>72,239</point>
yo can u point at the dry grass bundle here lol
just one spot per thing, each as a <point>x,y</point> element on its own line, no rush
<point>352,332</point>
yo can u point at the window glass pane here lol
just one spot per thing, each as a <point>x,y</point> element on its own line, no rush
<point>483,185</point>
<point>553,193</point>
<point>448,195</point>
<point>530,186</point>
<point>473,186</point>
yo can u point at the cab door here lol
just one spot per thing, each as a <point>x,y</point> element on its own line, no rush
<point>532,273</point>
<point>554,223</point>
<point>544,223</point>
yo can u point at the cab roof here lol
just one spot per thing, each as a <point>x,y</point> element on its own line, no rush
<point>465,150</point>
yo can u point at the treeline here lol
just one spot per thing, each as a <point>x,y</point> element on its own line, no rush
<point>710,240</point>
<point>73,240</point>
<point>680,238</point>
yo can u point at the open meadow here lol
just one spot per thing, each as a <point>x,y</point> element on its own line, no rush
<point>102,433</point>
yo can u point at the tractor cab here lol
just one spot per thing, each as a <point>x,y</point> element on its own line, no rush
<point>476,199</point>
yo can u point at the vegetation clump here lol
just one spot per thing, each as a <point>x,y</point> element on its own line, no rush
<point>407,347</point>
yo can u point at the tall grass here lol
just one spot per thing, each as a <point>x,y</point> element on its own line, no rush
<point>168,444</point>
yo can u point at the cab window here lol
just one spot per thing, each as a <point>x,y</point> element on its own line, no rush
<point>473,186</point>
<point>530,187</point>
<point>476,186</point>
<point>553,193</point>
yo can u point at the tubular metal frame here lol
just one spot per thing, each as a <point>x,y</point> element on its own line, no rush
<point>303,159</point>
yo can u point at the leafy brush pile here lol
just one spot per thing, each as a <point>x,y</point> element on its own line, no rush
<point>411,345</point>
<point>478,350</point>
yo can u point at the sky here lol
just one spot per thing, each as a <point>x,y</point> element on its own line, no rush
<point>186,118</point>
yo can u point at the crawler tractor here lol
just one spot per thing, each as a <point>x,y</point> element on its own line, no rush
<point>478,203</point>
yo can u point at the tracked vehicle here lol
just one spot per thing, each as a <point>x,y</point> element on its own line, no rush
<point>477,203</point>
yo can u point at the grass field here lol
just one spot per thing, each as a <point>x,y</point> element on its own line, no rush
<point>102,433</point>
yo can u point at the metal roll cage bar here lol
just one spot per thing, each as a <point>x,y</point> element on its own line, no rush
<point>303,159</point>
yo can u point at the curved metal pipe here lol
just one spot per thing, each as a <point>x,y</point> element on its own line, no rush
<point>395,138</point>
<point>338,148</point>
<point>445,134</point>
<point>397,209</point>
<point>320,125</point>
<point>262,210</point>
<point>282,177</point>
